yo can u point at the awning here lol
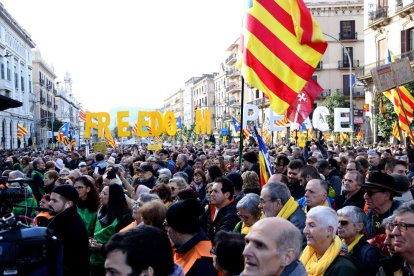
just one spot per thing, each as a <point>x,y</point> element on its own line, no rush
<point>6,103</point>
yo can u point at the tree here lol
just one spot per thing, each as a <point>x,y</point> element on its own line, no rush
<point>385,122</point>
<point>334,101</point>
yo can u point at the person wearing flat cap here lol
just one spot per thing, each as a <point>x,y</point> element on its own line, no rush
<point>191,244</point>
<point>69,227</point>
<point>250,162</point>
<point>379,193</point>
<point>146,176</point>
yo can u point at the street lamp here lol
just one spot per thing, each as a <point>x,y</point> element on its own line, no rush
<point>351,98</point>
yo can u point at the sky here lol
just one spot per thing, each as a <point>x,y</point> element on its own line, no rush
<point>129,52</point>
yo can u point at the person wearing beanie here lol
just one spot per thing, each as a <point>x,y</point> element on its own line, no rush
<point>69,227</point>
<point>191,244</point>
<point>250,162</point>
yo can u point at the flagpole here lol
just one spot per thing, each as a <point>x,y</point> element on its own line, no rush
<point>241,121</point>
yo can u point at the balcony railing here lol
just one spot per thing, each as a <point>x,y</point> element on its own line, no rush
<point>325,93</point>
<point>345,63</point>
<point>6,85</point>
<point>378,14</point>
<point>233,87</point>
<point>232,72</point>
<point>348,36</point>
<point>231,59</point>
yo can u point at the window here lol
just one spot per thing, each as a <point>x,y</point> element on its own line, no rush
<point>2,71</point>
<point>382,49</point>
<point>347,29</point>
<point>16,79</point>
<point>345,56</point>
<point>345,85</point>
<point>8,71</point>
<point>21,81</point>
<point>407,43</point>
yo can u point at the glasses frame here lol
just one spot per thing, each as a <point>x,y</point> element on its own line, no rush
<point>400,226</point>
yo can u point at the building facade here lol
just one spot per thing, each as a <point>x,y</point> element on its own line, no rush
<point>388,25</point>
<point>204,96</point>
<point>44,105</point>
<point>175,103</point>
<point>15,79</point>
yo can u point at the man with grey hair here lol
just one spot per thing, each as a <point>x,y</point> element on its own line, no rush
<point>352,195</point>
<point>351,229</point>
<point>273,246</point>
<point>276,201</point>
<point>182,164</point>
<point>403,231</point>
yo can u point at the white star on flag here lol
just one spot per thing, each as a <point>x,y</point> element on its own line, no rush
<point>302,97</point>
<point>237,125</point>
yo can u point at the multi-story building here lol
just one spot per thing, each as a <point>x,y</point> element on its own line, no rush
<point>388,25</point>
<point>188,108</point>
<point>68,107</point>
<point>175,103</point>
<point>15,80</point>
<point>203,95</point>
<point>221,107</point>
<point>44,105</point>
<point>342,23</point>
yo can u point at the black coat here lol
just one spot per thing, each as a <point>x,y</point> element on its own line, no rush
<point>366,258</point>
<point>189,171</point>
<point>355,200</point>
<point>70,228</point>
<point>226,219</point>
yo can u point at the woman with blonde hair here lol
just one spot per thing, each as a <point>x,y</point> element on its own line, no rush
<point>251,182</point>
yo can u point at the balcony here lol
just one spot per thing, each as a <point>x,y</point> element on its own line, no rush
<point>359,92</point>
<point>343,64</point>
<point>325,93</point>
<point>378,18</point>
<point>231,59</point>
<point>348,36</point>
<point>233,87</point>
<point>402,10</point>
<point>233,72</point>
<point>6,85</point>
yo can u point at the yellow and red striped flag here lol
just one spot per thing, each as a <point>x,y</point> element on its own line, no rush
<point>343,137</point>
<point>82,115</point>
<point>135,129</point>
<point>109,139</point>
<point>360,135</point>
<point>280,46</point>
<point>282,122</point>
<point>396,131</point>
<point>21,131</point>
<point>246,133</point>
<point>158,139</point>
<point>72,145</point>
<point>149,130</point>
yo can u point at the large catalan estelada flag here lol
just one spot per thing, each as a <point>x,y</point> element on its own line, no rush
<point>264,161</point>
<point>21,131</point>
<point>63,134</point>
<point>280,46</point>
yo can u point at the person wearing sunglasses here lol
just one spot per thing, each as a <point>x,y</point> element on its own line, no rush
<point>379,196</point>
<point>351,229</point>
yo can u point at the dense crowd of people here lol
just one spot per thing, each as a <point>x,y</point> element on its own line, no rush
<point>194,210</point>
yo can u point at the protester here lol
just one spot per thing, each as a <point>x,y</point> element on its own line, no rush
<point>249,213</point>
<point>228,253</point>
<point>324,254</point>
<point>273,247</point>
<point>191,244</point>
<point>68,226</point>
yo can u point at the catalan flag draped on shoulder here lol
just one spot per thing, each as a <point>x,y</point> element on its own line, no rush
<point>280,46</point>
<point>403,103</point>
<point>109,139</point>
<point>63,134</point>
<point>264,161</point>
<point>21,131</point>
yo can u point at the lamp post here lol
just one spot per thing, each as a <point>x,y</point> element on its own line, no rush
<point>351,98</point>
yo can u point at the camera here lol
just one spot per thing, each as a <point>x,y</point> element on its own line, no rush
<point>25,250</point>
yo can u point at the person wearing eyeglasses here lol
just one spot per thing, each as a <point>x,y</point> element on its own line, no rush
<point>249,213</point>
<point>403,231</point>
<point>351,230</point>
<point>379,193</point>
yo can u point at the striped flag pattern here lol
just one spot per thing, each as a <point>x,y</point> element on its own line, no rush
<point>72,145</point>
<point>109,139</point>
<point>149,129</point>
<point>82,115</point>
<point>135,129</point>
<point>21,131</point>
<point>280,46</point>
<point>282,122</point>
<point>396,131</point>
<point>158,139</point>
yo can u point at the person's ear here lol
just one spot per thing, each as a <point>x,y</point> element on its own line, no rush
<point>227,195</point>
<point>288,257</point>
<point>359,227</point>
<point>330,230</point>
<point>147,272</point>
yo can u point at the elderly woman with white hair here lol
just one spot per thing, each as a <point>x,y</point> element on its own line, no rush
<point>249,213</point>
<point>351,230</point>
<point>324,253</point>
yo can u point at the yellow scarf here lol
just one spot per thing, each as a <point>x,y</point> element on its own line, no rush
<point>351,246</point>
<point>245,229</point>
<point>288,209</point>
<point>316,267</point>
<point>325,203</point>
